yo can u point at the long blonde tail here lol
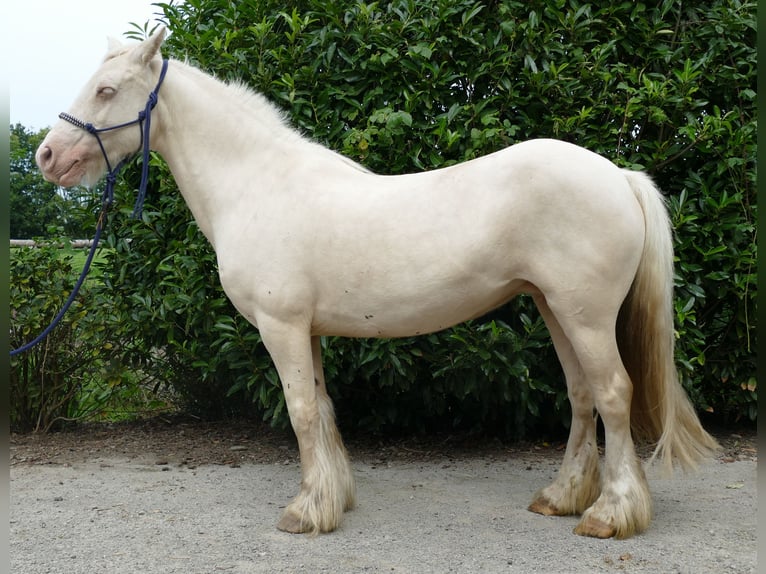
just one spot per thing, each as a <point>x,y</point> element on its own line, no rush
<point>660,411</point>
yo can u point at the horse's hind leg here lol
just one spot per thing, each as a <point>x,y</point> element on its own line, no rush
<point>578,483</point>
<point>624,506</point>
<point>327,486</point>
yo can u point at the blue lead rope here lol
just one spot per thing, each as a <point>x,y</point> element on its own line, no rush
<point>144,116</point>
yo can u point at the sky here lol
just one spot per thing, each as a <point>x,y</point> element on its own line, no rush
<point>54,46</point>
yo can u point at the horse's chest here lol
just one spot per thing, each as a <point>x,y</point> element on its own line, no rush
<point>257,284</point>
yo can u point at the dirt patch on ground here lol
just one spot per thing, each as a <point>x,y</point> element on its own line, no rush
<point>184,441</point>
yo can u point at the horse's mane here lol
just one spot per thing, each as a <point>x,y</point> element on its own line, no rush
<point>261,110</point>
<point>267,111</point>
<point>237,91</point>
<point>270,115</point>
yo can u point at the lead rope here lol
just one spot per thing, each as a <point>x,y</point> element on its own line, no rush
<point>107,197</point>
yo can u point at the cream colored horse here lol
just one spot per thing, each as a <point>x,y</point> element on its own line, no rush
<point>310,243</point>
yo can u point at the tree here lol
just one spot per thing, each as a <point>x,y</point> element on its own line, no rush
<point>33,201</point>
<point>39,208</point>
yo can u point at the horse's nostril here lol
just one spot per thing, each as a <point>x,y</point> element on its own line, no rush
<point>44,156</point>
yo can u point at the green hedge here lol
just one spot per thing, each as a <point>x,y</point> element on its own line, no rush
<point>407,86</point>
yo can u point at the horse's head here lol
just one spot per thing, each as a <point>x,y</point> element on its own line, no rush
<point>115,94</point>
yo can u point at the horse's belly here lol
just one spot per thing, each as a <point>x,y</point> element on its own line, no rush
<point>392,314</point>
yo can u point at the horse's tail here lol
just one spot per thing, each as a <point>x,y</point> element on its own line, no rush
<point>660,410</point>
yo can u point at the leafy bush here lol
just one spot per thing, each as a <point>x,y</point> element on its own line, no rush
<point>64,377</point>
<point>405,86</point>
<point>44,381</point>
<point>478,376</point>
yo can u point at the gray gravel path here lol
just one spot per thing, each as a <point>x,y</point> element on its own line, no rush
<point>116,515</point>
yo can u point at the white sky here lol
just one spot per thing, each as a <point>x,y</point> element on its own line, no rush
<point>53,46</point>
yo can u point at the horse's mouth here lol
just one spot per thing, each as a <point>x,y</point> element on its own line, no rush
<point>69,176</point>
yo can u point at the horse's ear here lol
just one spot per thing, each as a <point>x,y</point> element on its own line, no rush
<point>114,48</point>
<point>150,47</point>
<point>113,44</point>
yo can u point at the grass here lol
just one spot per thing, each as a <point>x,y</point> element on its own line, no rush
<point>80,254</point>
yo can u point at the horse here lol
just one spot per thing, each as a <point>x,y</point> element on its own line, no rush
<point>310,243</point>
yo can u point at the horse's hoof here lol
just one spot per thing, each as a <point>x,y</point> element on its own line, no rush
<point>595,528</point>
<point>292,524</point>
<point>542,505</point>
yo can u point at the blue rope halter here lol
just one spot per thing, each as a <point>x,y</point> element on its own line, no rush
<point>107,198</point>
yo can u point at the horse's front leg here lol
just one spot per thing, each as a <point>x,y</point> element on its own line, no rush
<point>327,486</point>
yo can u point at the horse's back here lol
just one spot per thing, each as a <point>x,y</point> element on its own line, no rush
<point>449,244</point>
<point>546,203</point>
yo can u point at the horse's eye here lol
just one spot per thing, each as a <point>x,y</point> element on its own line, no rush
<point>106,91</point>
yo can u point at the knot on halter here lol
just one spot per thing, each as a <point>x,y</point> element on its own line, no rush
<point>108,197</point>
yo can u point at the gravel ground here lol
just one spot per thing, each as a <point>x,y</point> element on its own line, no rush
<point>199,499</point>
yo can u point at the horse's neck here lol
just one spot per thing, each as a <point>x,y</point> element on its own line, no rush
<point>207,131</point>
